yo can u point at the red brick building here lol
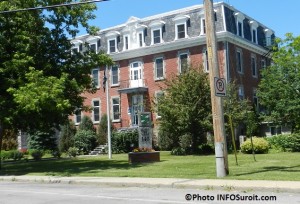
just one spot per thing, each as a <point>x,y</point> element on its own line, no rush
<point>147,51</point>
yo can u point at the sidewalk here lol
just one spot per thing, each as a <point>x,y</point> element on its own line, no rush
<point>217,184</point>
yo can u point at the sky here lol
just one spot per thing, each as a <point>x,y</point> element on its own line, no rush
<point>280,16</point>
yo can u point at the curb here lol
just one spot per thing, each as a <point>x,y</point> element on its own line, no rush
<point>205,184</point>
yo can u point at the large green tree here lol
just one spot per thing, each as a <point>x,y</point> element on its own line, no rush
<point>41,81</point>
<point>185,109</point>
<point>279,89</point>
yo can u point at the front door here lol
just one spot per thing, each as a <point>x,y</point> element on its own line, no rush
<point>136,74</point>
<point>137,107</point>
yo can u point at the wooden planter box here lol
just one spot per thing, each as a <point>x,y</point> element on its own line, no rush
<point>142,157</point>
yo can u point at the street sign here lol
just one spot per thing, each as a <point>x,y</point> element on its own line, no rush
<point>220,87</point>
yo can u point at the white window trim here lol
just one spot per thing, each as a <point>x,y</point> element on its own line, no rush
<point>141,30</point>
<point>110,37</point>
<point>181,20</point>
<point>253,56</point>
<point>157,25</point>
<point>98,76</point>
<point>155,68</point>
<point>112,109</point>
<point>242,66</point>
<point>202,26</point>
<point>254,26</point>
<point>93,116</point>
<point>76,45</point>
<point>239,19</point>
<point>124,42</point>
<point>111,76</point>
<point>93,40</point>
<point>179,61</point>
<point>75,117</point>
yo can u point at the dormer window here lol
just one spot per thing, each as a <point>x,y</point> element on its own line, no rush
<point>239,24</point>
<point>268,34</point>
<point>156,32</point>
<point>94,43</point>
<point>112,43</point>
<point>181,26</point>
<point>141,30</point>
<point>203,27</point>
<point>254,26</point>
<point>77,46</point>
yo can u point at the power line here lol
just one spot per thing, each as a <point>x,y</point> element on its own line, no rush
<point>52,6</point>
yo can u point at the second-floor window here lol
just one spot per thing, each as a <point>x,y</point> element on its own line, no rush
<point>116,108</point>
<point>239,61</point>
<point>159,68</point>
<point>241,93</point>
<point>183,62</point>
<point>77,116</point>
<point>253,66</point>
<point>115,75</point>
<point>96,110</point>
<point>95,77</point>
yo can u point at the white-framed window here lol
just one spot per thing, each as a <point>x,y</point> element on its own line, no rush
<point>205,60</point>
<point>183,61</point>
<point>263,64</point>
<point>158,96</point>
<point>114,75</point>
<point>203,26</point>
<point>96,110</point>
<point>112,42</point>
<point>268,39</point>
<point>77,116</point>
<point>275,130</point>
<point>157,32</point>
<point>239,61</point>
<point>181,26</point>
<point>159,68</point>
<point>239,24</point>
<point>253,65</point>
<point>94,43</point>
<point>126,42</point>
<point>76,46</point>
<point>141,29</point>
<point>241,93</point>
<point>95,77</point>
<point>116,109</point>
<point>254,26</point>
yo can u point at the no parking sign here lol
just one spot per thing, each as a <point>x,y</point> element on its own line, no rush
<point>220,87</point>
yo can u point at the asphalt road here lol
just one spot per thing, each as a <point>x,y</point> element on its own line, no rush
<point>44,193</point>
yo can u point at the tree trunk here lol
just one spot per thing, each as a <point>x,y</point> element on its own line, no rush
<point>1,139</point>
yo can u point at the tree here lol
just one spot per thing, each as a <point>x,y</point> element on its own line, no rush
<point>66,139</point>
<point>185,108</point>
<point>87,124</point>
<point>41,81</point>
<point>42,140</point>
<point>279,89</point>
<point>102,130</point>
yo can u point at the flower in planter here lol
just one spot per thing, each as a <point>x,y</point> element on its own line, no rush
<point>143,149</point>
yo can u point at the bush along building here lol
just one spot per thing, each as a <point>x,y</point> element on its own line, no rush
<point>148,51</point>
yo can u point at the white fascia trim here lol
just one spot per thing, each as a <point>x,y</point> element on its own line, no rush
<point>76,42</point>
<point>93,39</point>
<point>156,24</point>
<point>180,19</point>
<point>112,34</point>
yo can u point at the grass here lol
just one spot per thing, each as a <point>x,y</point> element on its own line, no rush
<point>272,166</point>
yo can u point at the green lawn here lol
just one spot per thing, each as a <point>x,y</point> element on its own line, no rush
<point>272,166</point>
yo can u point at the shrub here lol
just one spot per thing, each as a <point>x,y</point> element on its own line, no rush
<point>178,151</point>
<point>73,152</point>
<point>42,140</point>
<point>67,134</point>
<point>206,149</point>
<point>260,146</point>
<point>56,154</point>
<point>85,140</point>
<point>185,142</point>
<point>125,141</point>
<point>37,154</point>
<point>87,124</point>
<point>16,155</point>
<point>286,143</point>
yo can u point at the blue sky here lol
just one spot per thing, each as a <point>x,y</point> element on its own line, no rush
<point>279,16</point>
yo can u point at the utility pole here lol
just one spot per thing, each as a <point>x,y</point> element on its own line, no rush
<point>216,102</point>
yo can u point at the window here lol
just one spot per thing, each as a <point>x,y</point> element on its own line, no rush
<point>156,36</point>
<point>115,75</point>
<point>159,68</point>
<point>158,97</point>
<point>93,48</point>
<point>253,66</point>
<point>156,31</point>
<point>263,64</point>
<point>116,108</point>
<point>254,26</point>
<point>255,100</point>
<point>76,46</point>
<point>75,50</point>
<point>94,43</point>
<point>141,40</point>
<point>268,34</point>
<point>183,62</point>
<point>239,61</point>
<point>239,24</point>
<point>126,42</point>
<point>112,46</point>
<point>181,26</point>
<point>95,77</point>
<point>241,93</point>
<point>96,110</point>
<point>77,116</point>
<point>254,36</point>
<point>203,27</point>
<point>205,60</point>
<point>275,130</point>
<point>141,32</point>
